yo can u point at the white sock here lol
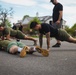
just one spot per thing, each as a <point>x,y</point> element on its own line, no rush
<point>34,49</point>
<point>19,49</point>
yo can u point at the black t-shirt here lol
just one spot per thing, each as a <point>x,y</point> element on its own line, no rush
<point>20,28</point>
<point>58,7</point>
<point>45,28</point>
<point>14,27</point>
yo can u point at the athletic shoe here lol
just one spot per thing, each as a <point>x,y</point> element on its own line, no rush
<point>44,52</point>
<point>57,45</point>
<point>18,40</point>
<point>23,52</point>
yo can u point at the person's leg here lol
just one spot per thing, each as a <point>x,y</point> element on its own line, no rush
<point>14,49</point>
<point>72,40</point>
<point>21,45</point>
<point>33,49</point>
<point>44,52</point>
<point>57,44</point>
<point>9,46</point>
<point>4,44</point>
<point>64,36</point>
<point>21,35</point>
<point>57,27</point>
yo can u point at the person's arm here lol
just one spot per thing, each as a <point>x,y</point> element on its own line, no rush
<point>60,16</point>
<point>48,40</point>
<point>2,37</point>
<point>7,33</point>
<point>40,39</point>
<point>60,13</point>
<point>30,38</point>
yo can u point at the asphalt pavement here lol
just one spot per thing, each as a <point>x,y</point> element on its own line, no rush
<point>61,61</point>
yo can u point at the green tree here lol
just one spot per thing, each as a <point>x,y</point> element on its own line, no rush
<point>5,14</point>
<point>25,16</point>
<point>36,20</point>
<point>74,26</point>
<point>8,23</point>
<point>73,30</point>
<point>67,27</point>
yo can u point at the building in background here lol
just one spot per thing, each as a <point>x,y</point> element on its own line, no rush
<point>43,19</point>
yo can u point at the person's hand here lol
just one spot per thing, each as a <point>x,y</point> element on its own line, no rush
<point>2,38</point>
<point>48,49</point>
<point>58,22</point>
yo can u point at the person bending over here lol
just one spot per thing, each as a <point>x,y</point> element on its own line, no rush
<point>50,31</point>
<point>9,32</point>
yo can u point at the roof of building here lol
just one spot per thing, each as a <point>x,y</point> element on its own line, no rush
<point>43,19</point>
<point>28,19</point>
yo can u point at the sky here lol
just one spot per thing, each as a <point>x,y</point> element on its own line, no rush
<point>43,7</point>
